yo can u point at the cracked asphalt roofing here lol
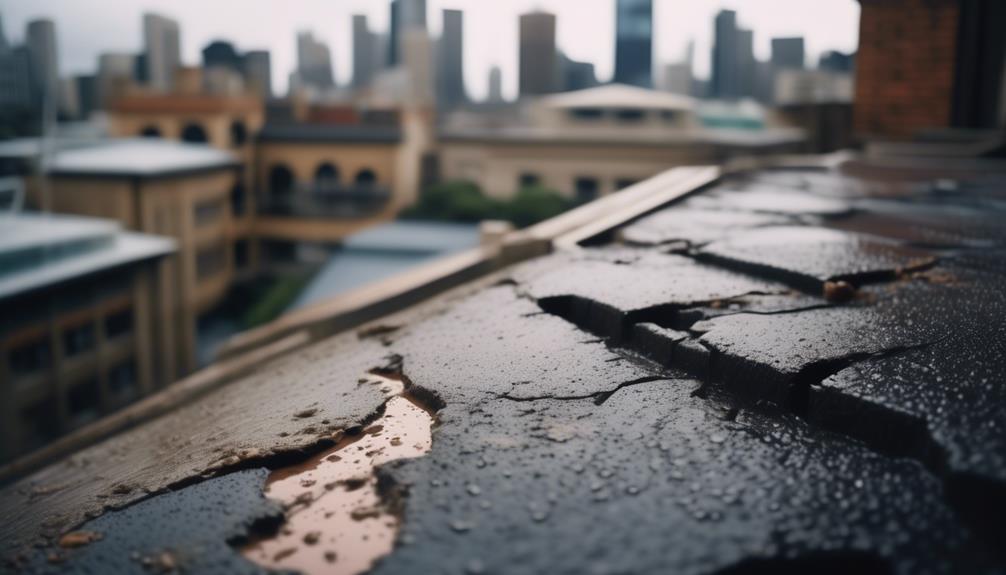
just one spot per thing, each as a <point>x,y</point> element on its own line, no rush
<point>682,399</point>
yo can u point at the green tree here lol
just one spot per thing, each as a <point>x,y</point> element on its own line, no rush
<point>462,201</point>
<point>534,204</point>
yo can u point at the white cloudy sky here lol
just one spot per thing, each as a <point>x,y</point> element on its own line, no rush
<point>585,28</point>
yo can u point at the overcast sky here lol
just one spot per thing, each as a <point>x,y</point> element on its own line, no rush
<point>585,29</point>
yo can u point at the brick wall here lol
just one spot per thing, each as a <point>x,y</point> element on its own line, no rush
<point>905,66</point>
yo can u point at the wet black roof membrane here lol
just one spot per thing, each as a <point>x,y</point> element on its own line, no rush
<point>689,398</point>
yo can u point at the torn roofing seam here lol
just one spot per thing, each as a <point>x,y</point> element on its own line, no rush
<point>914,431</point>
<point>599,397</point>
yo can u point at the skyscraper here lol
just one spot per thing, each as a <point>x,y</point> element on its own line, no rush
<point>575,75</point>
<point>115,74</point>
<point>538,58</point>
<point>405,15</point>
<point>725,82</point>
<point>746,71</point>
<point>634,42</point>
<point>363,52</point>
<point>257,66</point>
<point>314,62</point>
<point>678,78</point>
<point>43,59</point>
<point>222,54</point>
<point>450,61</point>
<point>15,78</point>
<point>787,53</point>
<point>495,85</point>
<point>394,24</point>
<point>162,51</point>
<point>413,14</point>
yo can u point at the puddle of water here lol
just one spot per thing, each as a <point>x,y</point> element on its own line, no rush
<point>335,520</point>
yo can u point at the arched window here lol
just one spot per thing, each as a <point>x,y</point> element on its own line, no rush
<point>150,132</point>
<point>326,177</point>
<point>366,177</point>
<point>239,133</point>
<point>195,134</point>
<point>280,182</point>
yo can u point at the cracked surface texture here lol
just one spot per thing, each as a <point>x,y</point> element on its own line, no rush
<point>683,399</point>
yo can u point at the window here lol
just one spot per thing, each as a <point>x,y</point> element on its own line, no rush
<point>119,323</point>
<point>194,134</point>
<point>586,189</point>
<point>326,177</point>
<point>208,212</point>
<point>669,115</point>
<point>78,339</point>
<point>366,177</point>
<point>83,399</point>
<point>150,132</point>
<point>280,181</point>
<point>623,183</point>
<point>241,254</point>
<point>122,381</point>
<point>210,261</point>
<point>239,134</point>
<point>528,180</point>
<point>31,356</point>
<point>238,199</point>
<point>630,115</point>
<point>586,113</point>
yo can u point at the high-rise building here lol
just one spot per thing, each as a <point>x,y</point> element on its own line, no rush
<point>634,42</point>
<point>678,77</point>
<point>222,54</point>
<point>746,71</point>
<point>87,95</point>
<point>162,51</point>
<point>43,59</point>
<point>405,15</point>
<point>538,58</point>
<point>394,24</point>
<point>257,65</point>
<point>450,61</point>
<point>363,52</point>
<point>576,75</point>
<point>495,94</point>
<point>115,75</point>
<point>726,77</point>
<point>787,53</point>
<point>314,62</point>
<point>834,61</point>
<point>413,14</point>
<point>15,78</point>
<point>417,59</point>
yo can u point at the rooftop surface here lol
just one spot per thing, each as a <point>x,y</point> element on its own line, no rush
<point>41,250</point>
<point>788,371</point>
<point>620,96</point>
<point>142,157</point>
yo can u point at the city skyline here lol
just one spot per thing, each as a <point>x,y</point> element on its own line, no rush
<point>490,31</point>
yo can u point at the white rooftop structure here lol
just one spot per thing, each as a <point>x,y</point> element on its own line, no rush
<point>620,96</point>
<point>120,156</point>
<point>40,250</point>
<point>140,157</point>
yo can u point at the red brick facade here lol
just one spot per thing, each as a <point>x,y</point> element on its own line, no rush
<point>905,66</point>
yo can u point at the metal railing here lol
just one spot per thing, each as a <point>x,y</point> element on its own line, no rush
<point>326,201</point>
